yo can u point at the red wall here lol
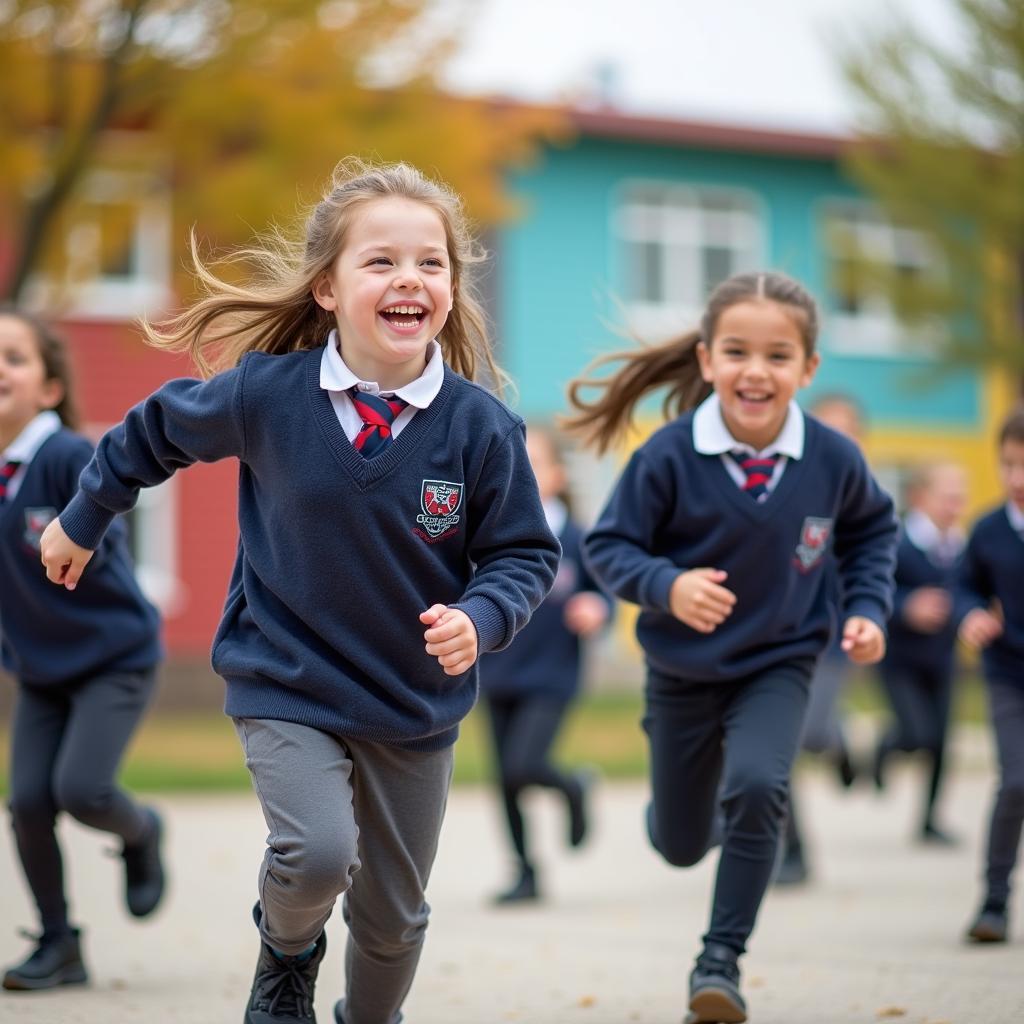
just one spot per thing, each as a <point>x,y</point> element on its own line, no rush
<point>113,371</point>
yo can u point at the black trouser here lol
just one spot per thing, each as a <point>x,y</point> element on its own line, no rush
<point>1006,705</point>
<point>921,698</point>
<point>66,745</point>
<point>525,727</point>
<point>733,743</point>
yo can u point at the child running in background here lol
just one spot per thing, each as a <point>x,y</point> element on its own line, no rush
<point>720,529</point>
<point>531,685</point>
<point>85,663</point>
<point>823,727</point>
<point>991,606</point>
<point>918,668</point>
<point>391,532</point>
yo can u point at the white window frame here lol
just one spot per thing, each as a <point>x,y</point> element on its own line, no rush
<point>685,225</point>
<point>156,546</point>
<point>875,329</point>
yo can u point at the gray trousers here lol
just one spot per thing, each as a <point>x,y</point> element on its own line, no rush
<point>334,807</point>
<point>1006,706</point>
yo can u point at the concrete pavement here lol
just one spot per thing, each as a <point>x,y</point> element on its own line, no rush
<point>875,937</point>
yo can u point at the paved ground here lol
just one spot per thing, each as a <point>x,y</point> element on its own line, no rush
<point>877,937</point>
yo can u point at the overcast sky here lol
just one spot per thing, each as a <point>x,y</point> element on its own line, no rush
<point>756,62</point>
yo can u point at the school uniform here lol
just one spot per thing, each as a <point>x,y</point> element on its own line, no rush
<point>917,671</point>
<point>347,723</point>
<point>729,705</point>
<point>85,664</point>
<point>529,686</point>
<point>993,567</point>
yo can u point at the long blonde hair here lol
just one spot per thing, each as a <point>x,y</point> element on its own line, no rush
<point>602,421</point>
<point>275,311</point>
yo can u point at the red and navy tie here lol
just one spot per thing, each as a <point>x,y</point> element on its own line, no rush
<point>377,414</point>
<point>6,472</point>
<point>758,470</point>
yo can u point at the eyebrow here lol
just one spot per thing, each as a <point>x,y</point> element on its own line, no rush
<point>383,247</point>
<point>778,343</point>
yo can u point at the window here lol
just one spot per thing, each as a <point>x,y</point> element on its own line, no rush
<point>153,540</point>
<point>862,320</point>
<point>113,257</point>
<point>677,243</point>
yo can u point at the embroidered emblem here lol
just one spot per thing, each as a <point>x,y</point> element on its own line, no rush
<point>37,520</point>
<point>440,501</point>
<point>813,544</point>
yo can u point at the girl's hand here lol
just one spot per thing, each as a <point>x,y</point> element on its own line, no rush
<point>451,638</point>
<point>585,613</point>
<point>927,609</point>
<point>698,599</point>
<point>863,640</point>
<point>979,628</point>
<point>63,558</point>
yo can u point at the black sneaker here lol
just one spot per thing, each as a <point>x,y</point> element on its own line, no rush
<point>990,925</point>
<point>56,960</point>
<point>715,988</point>
<point>524,891</point>
<point>283,987</point>
<point>579,824</point>
<point>932,835</point>
<point>143,870</point>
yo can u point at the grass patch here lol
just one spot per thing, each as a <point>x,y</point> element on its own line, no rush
<point>200,752</point>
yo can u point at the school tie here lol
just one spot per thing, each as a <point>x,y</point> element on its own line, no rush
<point>377,414</point>
<point>758,472</point>
<point>6,472</point>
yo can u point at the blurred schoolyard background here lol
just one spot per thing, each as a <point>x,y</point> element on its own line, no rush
<point>620,160</point>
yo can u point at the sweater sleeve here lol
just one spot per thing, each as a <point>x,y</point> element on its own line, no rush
<point>618,549</point>
<point>867,533</point>
<point>185,421</point>
<point>974,587</point>
<point>513,550</point>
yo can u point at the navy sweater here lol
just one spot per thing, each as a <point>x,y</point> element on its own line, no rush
<point>908,646</point>
<point>50,635</point>
<point>675,509</point>
<point>338,555</point>
<point>993,569</point>
<point>545,657</point>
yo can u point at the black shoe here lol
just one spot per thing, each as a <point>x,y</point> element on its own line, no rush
<point>715,988</point>
<point>990,925</point>
<point>56,960</point>
<point>878,767</point>
<point>578,799</point>
<point>525,890</point>
<point>143,870</point>
<point>283,987</point>
<point>792,869</point>
<point>846,770</point>
<point>935,836</point>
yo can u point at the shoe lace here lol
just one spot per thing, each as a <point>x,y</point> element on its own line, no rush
<point>714,965</point>
<point>285,985</point>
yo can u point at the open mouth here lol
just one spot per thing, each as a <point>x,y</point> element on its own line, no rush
<point>404,317</point>
<point>754,397</point>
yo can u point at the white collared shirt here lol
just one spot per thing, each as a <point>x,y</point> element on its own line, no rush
<point>711,437</point>
<point>1016,516</point>
<point>942,548</point>
<point>337,378</point>
<point>24,447</point>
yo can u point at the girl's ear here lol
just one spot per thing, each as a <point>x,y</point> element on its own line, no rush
<point>52,393</point>
<point>704,361</point>
<point>323,292</point>
<point>810,369</point>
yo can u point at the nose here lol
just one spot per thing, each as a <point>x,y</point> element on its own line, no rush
<point>408,279</point>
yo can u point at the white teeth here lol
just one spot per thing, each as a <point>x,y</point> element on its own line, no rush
<point>403,310</point>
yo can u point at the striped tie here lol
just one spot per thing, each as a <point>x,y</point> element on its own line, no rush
<point>377,415</point>
<point>758,471</point>
<point>6,472</point>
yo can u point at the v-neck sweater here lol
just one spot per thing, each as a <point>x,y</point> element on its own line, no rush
<point>675,509</point>
<point>50,636</point>
<point>338,555</point>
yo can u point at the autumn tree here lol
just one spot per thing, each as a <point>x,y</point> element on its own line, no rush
<point>240,107</point>
<point>943,152</point>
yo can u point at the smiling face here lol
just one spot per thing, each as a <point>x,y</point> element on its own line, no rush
<point>25,388</point>
<point>756,360</point>
<point>390,289</point>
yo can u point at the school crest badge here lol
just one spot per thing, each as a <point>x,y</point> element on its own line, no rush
<point>440,501</point>
<point>814,535</point>
<point>36,520</point>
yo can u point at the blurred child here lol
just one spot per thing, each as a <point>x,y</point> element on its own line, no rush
<point>720,529</point>
<point>991,601</point>
<point>530,686</point>
<point>85,663</point>
<point>391,532</point>
<point>918,667</point>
